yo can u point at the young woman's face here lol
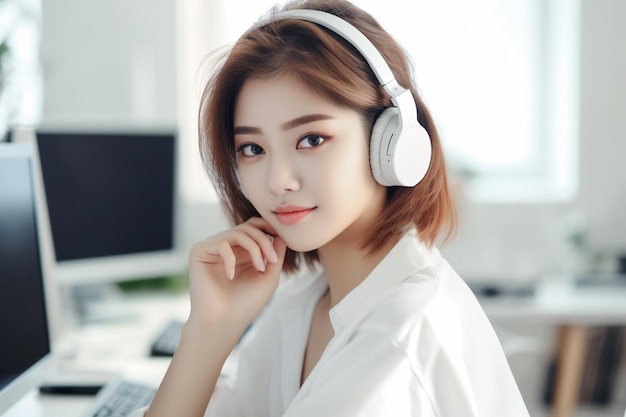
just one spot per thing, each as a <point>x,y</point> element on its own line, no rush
<point>303,163</point>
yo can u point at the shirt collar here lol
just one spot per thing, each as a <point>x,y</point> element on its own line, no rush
<point>406,258</point>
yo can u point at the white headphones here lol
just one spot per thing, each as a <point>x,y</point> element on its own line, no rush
<point>400,148</point>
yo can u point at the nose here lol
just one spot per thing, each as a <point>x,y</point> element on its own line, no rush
<point>282,174</point>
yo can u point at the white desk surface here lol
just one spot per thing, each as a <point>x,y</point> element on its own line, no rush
<point>121,344</point>
<point>34,404</point>
<point>560,303</point>
<point>97,351</point>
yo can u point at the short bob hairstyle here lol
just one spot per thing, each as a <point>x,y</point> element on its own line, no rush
<point>332,68</point>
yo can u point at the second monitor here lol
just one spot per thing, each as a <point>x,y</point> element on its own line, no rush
<point>112,204</point>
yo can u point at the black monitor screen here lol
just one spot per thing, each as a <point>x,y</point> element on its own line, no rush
<point>23,324</point>
<point>108,194</point>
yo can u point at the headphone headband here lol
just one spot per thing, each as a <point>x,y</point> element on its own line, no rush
<point>352,35</point>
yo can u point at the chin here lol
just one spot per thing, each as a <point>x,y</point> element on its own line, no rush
<point>300,243</point>
<point>299,247</point>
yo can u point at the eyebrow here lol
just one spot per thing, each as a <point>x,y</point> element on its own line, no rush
<point>298,121</point>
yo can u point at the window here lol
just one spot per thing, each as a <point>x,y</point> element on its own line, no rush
<point>500,77</point>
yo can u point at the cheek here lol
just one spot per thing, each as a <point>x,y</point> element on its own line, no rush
<point>352,166</point>
<point>343,181</point>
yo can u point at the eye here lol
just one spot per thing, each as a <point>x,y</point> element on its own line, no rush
<point>311,141</point>
<point>250,149</point>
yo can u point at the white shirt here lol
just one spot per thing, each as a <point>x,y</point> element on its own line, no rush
<point>410,340</point>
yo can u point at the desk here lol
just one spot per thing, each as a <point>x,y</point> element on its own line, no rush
<point>35,404</point>
<point>572,310</point>
<point>117,344</point>
<point>140,318</point>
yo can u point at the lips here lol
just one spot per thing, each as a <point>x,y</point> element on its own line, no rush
<point>292,214</point>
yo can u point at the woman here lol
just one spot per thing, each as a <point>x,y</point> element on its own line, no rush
<point>296,127</point>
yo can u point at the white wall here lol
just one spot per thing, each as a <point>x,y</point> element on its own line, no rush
<point>525,241</point>
<point>603,121</point>
<point>95,70</point>
<point>109,62</point>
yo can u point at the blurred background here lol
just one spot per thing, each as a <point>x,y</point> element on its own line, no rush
<point>529,96</point>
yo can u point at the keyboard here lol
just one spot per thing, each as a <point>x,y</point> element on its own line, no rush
<point>120,398</point>
<point>167,340</point>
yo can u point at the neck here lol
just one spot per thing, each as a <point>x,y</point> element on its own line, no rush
<point>346,265</point>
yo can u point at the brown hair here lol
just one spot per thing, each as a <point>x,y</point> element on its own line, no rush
<point>332,68</point>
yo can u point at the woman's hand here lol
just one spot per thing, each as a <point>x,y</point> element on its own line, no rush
<point>232,275</point>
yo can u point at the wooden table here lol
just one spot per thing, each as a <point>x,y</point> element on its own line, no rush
<point>572,310</point>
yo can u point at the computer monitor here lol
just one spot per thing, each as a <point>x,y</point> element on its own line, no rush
<point>28,298</point>
<point>112,202</point>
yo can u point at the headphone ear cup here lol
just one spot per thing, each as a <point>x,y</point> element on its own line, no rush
<point>382,131</point>
<point>398,156</point>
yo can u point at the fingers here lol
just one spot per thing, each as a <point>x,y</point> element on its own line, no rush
<point>248,243</point>
<point>261,248</point>
<point>262,224</point>
<point>228,257</point>
<point>280,247</point>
